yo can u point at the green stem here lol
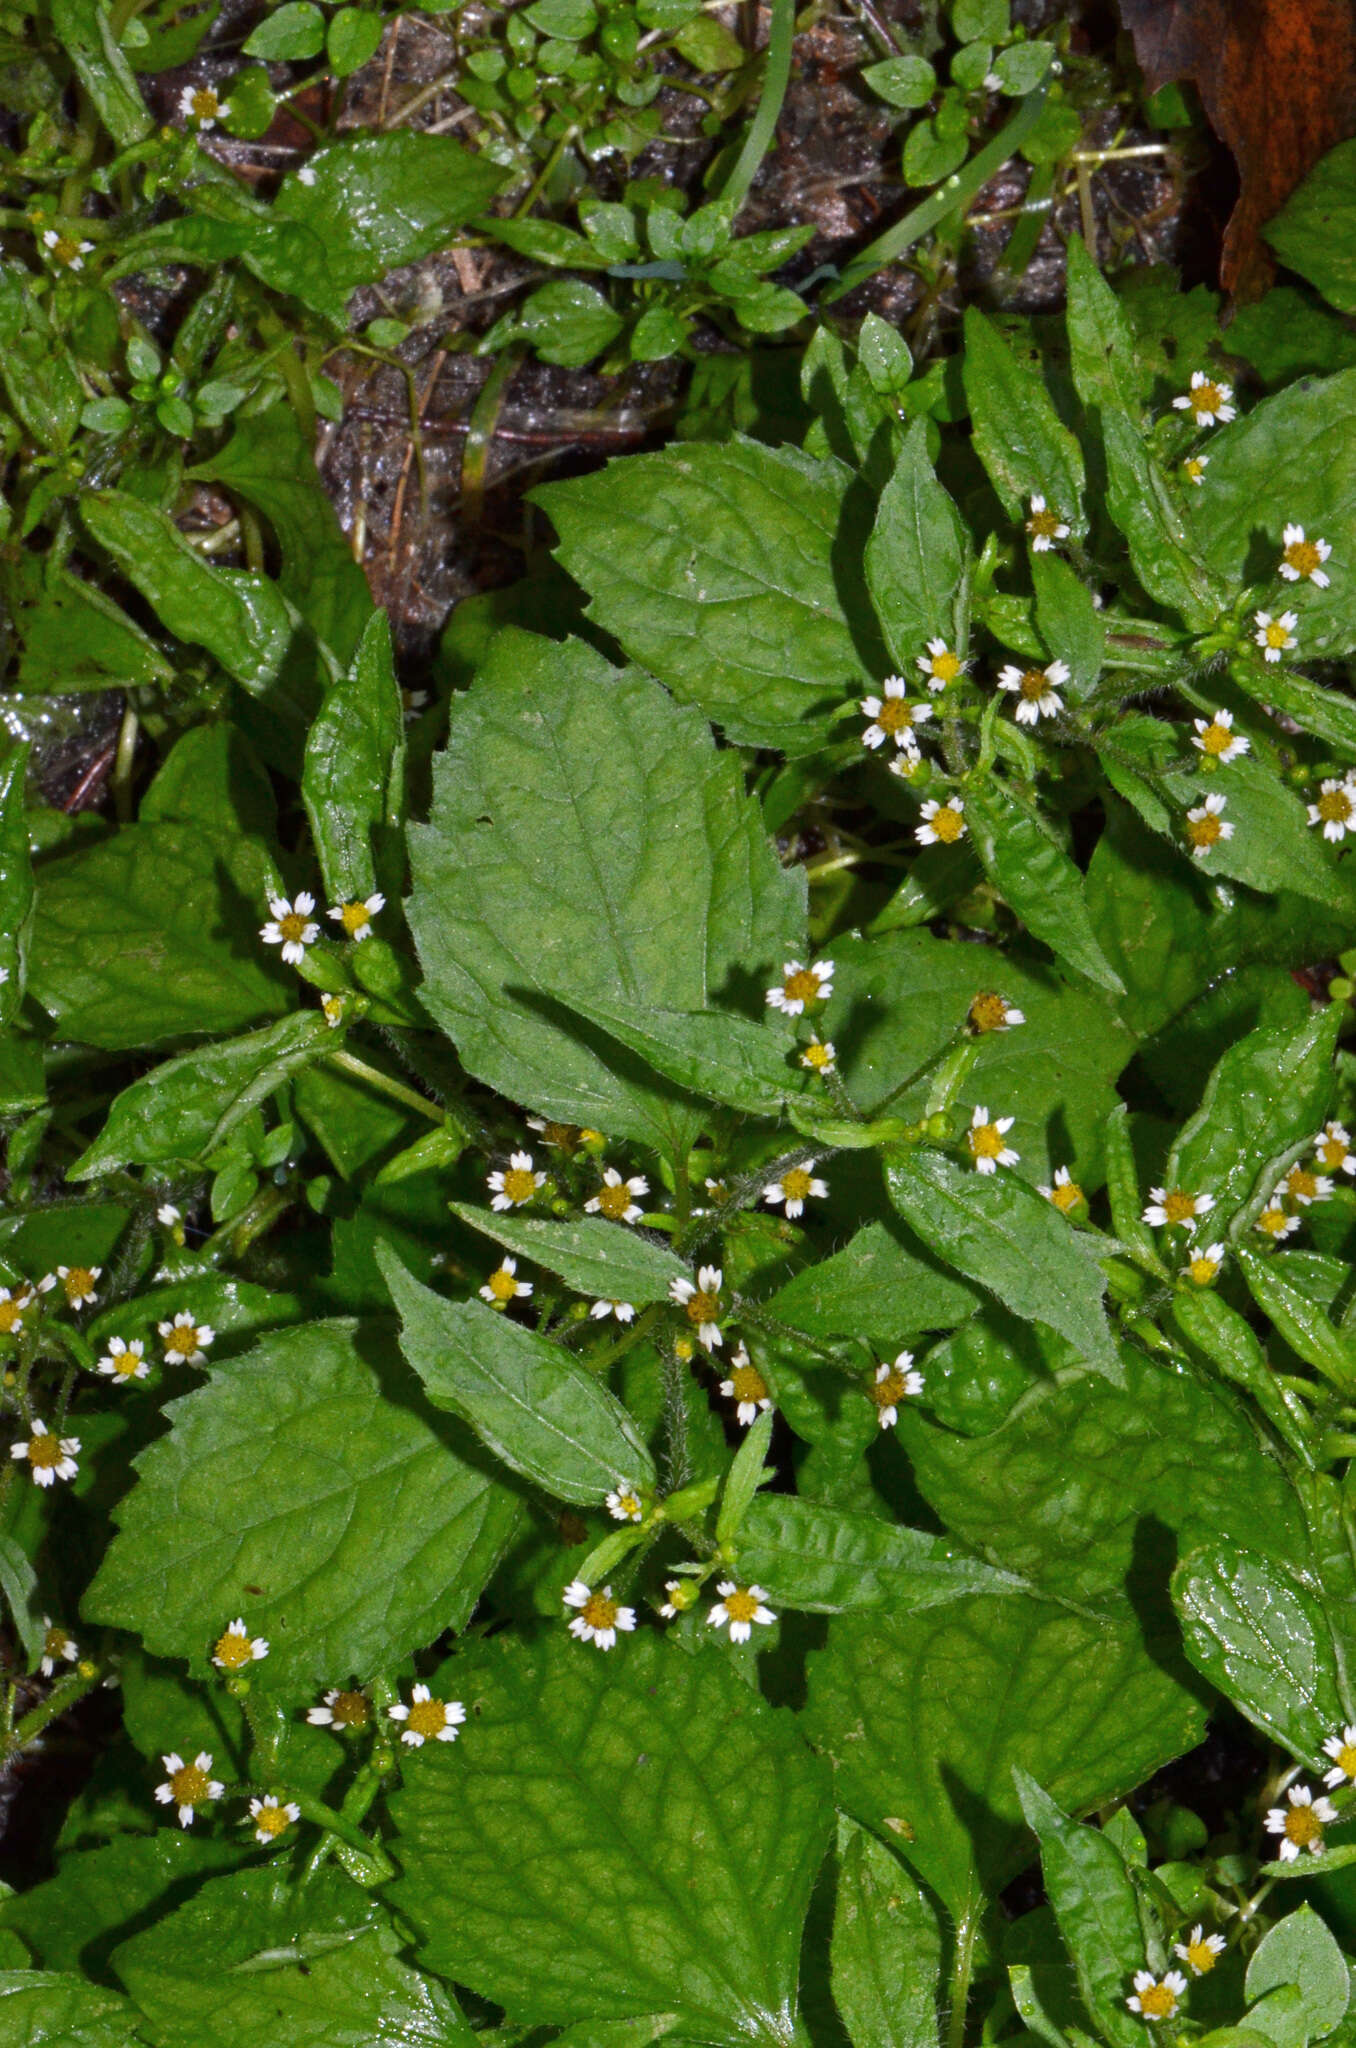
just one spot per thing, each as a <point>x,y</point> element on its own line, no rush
<point>57,1701</point>
<point>349,1063</point>
<point>958,1989</point>
<point>776,78</point>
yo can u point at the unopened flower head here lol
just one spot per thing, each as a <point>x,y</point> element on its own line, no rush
<point>272,1817</point>
<point>503,1285</point>
<point>427,1719</point>
<point>49,1457</point>
<point>1200,1950</point>
<point>682,1594</point>
<point>1176,1208</point>
<point>1216,739</point>
<point>989,1012</point>
<point>291,926</point>
<point>892,716</point>
<point>1302,559</point>
<point>1334,1149</point>
<point>561,1137</point>
<point>186,1339</point>
<point>1342,1749</point>
<point>801,986</point>
<point>188,1786</point>
<point>78,1284</point>
<point>616,1198</point>
<point>1208,401</point>
<point>746,1387</point>
<point>236,1647</point>
<point>893,1383</point>
<point>58,1646</point>
<point>624,1504</point>
<point>341,1708</point>
<point>1300,1824</point>
<point>740,1607</point>
<point>1304,1186</point>
<point>1037,690</point>
<point>1335,808</point>
<point>1202,1268</point>
<point>1157,1998</point>
<point>1277,1223</point>
<point>1194,468</point>
<point>598,1617</point>
<point>1275,636</point>
<point>1044,527</point>
<point>984,1141</point>
<point>702,1303</point>
<point>796,1186</point>
<point>624,1311</point>
<point>940,665</point>
<point>943,824</point>
<point>123,1361</point>
<point>516,1183</point>
<point>356,918</point>
<point>67,250</point>
<point>820,1057</point>
<point>333,1007</point>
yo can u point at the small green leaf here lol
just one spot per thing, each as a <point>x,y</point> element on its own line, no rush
<point>916,558</point>
<point>1018,436</point>
<point>1070,624</point>
<point>19,1584</point>
<point>902,81</point>
<point>87,33</point>
<point>745,1476</point>
<point>1028,866</point>
<point>535,1406</point>
<point>1299,1319</point>
<point>1261,1637</point>
<point>292,32</point>
<point>826,1560</point>
<point>886,1949</point>
<point>568,322</point>
<point>1229,1342</point>
<point>883,1285</point>
<point>606,1261</point>
<point>1089,1887</point>
<point>352,781</point>
<point>1301,1951</point>
<point>354,36</point>
<point>1122,1186</point>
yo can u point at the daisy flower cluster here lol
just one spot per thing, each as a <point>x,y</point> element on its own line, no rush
<point>599,1618</point>
<point>1307,1182</point>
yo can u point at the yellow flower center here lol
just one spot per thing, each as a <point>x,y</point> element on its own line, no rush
<point>353,916</point>
<point>1179,1207</point>
<point>65,249</point>
<point>1206,398</point>
<point>703,1307</point>
<point>126,1364</point>
<point>1200,1957</point>
<point>1273,1221</point>
<point>1066,1195</point>
<point>801,987</point>
<point>613,1202</point>
<point>1331,1153</point>
<point>79,1282</point>
<point>350,1710</point>
<point>946,666</point>
<point>1202,1270</point>
<point>182,1341</point>
<point>1345,1758</point>
<point>292,926</point>
<point>988,1013</point>
<point>205,104</point>
<point>44,1451</point>
<point>741,1605</point>
<point>629,1503</point>
<point>748,1383</point>
<point>985,1141</point>
<point>948,824</point>
<point>1302,1184</point>
<point>1277,634</point>
<point>1158,2002</point>
<point>1302,1826</point>
<point>12,1315</point>
<point>519,1184</point>
<point>1194,468</point>
<point>796,1184</point>
<point>54,1643</point>
<point>1203,831</point>
<point>815,1055</point>
<point>1334,807</point>
<point>271,1820</point>
<point>502,1285</point>
<point>190,1786</point>
<point>232,1651</point>
<point>598,1611</point>
<point>1303,557</point>
<point>895,715</point>
<point>1034,684</point>
<point>427,1717</point>
<point>1216,739</point>
<point>887,1393</point>
<point>1043,525</point>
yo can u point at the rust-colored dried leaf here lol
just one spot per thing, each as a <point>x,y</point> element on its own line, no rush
<point>1277,79</point>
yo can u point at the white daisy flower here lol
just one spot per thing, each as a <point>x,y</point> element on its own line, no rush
<point>1342,1749</point>
<point>1304,1186</point>
<point>503,1286</point>
<point>340,1708</point>
<point>820,1057</point>
<point>702,1303</point>
<point>272,1817</point>
<point>14,1305</point>
<point>624,1504</point>
<point>747,1387</point>
<point>943,824</point>
<point>616,1198</point>
<point>58,1646</point>
<point>1208,401</point>
<point>1275,636</point>
<point>1202,1268</point>
<point>984,1140</point>
<point>599,1617</point>
<point>186,1339</point>
<point>236,1648</point>
<point>893,1384</point>
<point>1064,1191</point>
<point>199,103</point>
<point>70,253</point>
<point>49,1457</point>
<point>1335,809</point>
<point>796,1186</point>
<point>989,1012</point>
<point>1157,1998</point>
<point>1276,1222</point>
<point>333,1007</point>
<point>1177,1210</point>
<point>624,1311</point>
<point>1194,468</point>
<point>1206,826</point>
<point>1334,1149</point>
<point>892,716</point>
<point>188,1786</point>
<point>740,1607</point>
<point>516,1183</point>
<point>427,1719</point>
<point>1044,527</point>
<point>682,1595</point>
<point>1302,1827</point>
<point>1302,560</point>
<point>1216,739</point>
<point>800,986</point>
<point>291,926</point>
<point>1200,1950</point>
<point>123,1361</point>
<point>940,665</point>
<point>1037,690</point>
<point>356,918</point>
<point>77,1284</point>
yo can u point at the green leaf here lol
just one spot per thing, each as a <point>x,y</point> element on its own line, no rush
<point>16,882</point>
<point>76,638</point>
<point>886,1950</point>
<point>1229,1343</point>
<point>1028,867</point>
<point>151,934</point>
<point>184,1109</point>
<point>1018,436</point>
<point>250,1960</point>
<point>70,1920</point>
<point>352,780</point>
<point>1313,232</point>
<point>626,1886</point>
<point>545,876</point>
<point>19,1584</point>
<point>310,1489</point>
<point>91,42</point>
<point>926,1715</point>
<point>1071,625</point>
<point>1089,1887</point>
<point>710,1052</point>
<point>1122,1186</point>
<point>212,778</point>
<point>1265,1099</point>
<point>294,31</point>
<point>716,567</point>
<point>378,201</point>
<point>1299,1319</point>
<point>40,379</point>
<point>1260,1636</point>
<point>38,2010</point>
<point>539,1410</point>
<point>238,617</point>
<point>607,1261</point>
<point>1300,1950</point>
<point>568,322</point>
<point>1273,847</point>
<point>1004,1236</point>
<point>827,1560</point>
<point>743,1479</point>
<point>917,558</point>
<point>354,36</point>
<point>884,1285</point>
<point>902,81</point>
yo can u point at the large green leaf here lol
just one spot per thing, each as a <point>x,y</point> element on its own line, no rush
<point>886,1950</point>
<point>662,1863</point>
<point>535,1406</point>
<point>884,1285</point>
<point>1315,231</point>
<point>308,1488</point>
<point>1089,1887</point>
<point>827,1560</point>
<point>916,557</point>
<point>70,1921</point>
<point>607,1260</point>
<point>567,791</point>
<point>1260,1635</point>
<point>250,1961</point>
<point>711,1052</point>
<point>42,2010</point>
<point>1001,1234</point>
<point>151,934</point>
<point>1273,847</point>
<point>92,43</point>
<point>926,1715</point>
<point>1018,436</point>
<point>716,567</point>
<point>352,780</point>
<point>1028,866</point>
